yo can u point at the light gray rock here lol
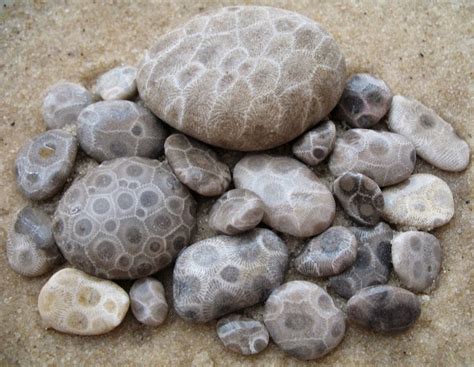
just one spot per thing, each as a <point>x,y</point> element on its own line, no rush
<point>315,145</point>
<point>148,301</point>
<point>118,83</point>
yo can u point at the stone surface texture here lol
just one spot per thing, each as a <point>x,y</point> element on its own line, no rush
<point>148,302</point>
<point>117,83</point>
<point>315,145</point>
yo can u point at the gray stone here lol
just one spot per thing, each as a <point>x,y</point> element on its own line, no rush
<point>118,83</point>
<point>148,301</point>
<point>315,145</point>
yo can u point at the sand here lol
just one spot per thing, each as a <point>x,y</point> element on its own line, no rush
<point>421,49</point>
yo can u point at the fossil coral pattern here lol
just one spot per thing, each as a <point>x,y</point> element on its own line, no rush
<point>148,301</point>
<point>118,83</point>
<point>314,146</point>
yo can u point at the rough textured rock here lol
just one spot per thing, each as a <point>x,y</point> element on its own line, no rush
<point>434,139</point>
<point>197,166</point>
<point>63,103</point>
<point>360,197</point>
<point>118,83</point>
<point>303,320</point>
<point>148,301</point>
<point>384,308</point>
<point>332,252</point>
<point>127,218</point>
<point>44,163</point>
<point>31,250</point>
<point>114,129</point>
<point>242,334</point>
<point>296,201</point>
<point>314,146</point>
<point>416,258</point>
<point>373,262</point>
<point>365,100</point>
<point>223,274</point>
<point>243,78</point>
<point>387,158</point>
<point>74,302</point>
<point>424,202</point>
<point>236,211</point>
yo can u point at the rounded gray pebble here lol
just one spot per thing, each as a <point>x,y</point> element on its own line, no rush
<point>315,145</point>
<point>117,83</point>
<point>148,302</point>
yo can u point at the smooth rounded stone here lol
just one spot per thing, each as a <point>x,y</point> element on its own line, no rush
<point>197,166</point>
<point>434,139</point>
<point>148,301</point>
<point>332,252</point>
<point>223,274</point>
<point>314,146</point>
<point>114,129</point>
<point>360,197</point>
<point>384,308</point>
<point>303,320</point>
<point>373,262</point>
<point>365,100</point>
<point>31,249</point>
<point>236,211</point>
<point>63,103</point>
<point>424,202</point>
<point>243,77</point>
<point>242,335</point>
<point>296,201</point>
<point>387,158</point>
<point>74,302</point>
<point>118,83</point>
<point>126,219</point>
<point>416,258</point>
<point>44,164</point>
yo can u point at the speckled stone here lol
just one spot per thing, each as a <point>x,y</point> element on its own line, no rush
<point>303,320</point>
<point>44,163</point>
<point>223,274</point>
<point>384,308</point>
<point>416,258</point>
<point>315,145</point>
<point>148,301</point>
<point>118,83</point>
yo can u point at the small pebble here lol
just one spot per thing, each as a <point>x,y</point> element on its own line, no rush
<point>384,308</point>
<point>373,262</point>
<point>416,258</point>
<point>223,274</point>
<point>387,158</point>
<point>76,303</point>
<point>424,202</point>
<point>365,100</point>
<point>63,103</point>
<point>236,211</point>
<point>315,145</point>
<point>118,83</point>
<point>44,163</point>
<point>242,335</point>
<point>303,320</point>
<point>434,139</point>
<point>197,166</point>
<point>114,129</point>
<point>332,252</point>
<point>31,250</point>
<point>360,197</point>
<point>148,301</point>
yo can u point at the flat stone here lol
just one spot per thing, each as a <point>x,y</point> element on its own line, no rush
<point>74,302</point>
<point>148,301</point>
<point>296,201</point>
<point>360,197</point>
<point>243,77</point>
<point>315,145</point>
<point>44,164</point>
<point>387,158</point>
<point>197,166</point>
<point>384,308</point>
<point>242,335</point>
<point>223,274</point>
<point>126,219</point>
<point>423,202</point>
<point>118,83</point>
<point>330,253</point>
<point>434,139</point>
<point>373,262</point>
<point>416,258</point>
<point>303,320</point>
<point>114,129</point>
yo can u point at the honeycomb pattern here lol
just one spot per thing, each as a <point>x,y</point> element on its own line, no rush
<point>148,301</point>
<point>314,146</point>
<point>118,83</point>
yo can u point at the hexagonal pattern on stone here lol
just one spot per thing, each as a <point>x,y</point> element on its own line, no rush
<point>315,145</point>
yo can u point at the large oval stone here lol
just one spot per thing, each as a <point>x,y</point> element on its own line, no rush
<point>296,201</point>
<point>243,77</point>
<point>223,274</point>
